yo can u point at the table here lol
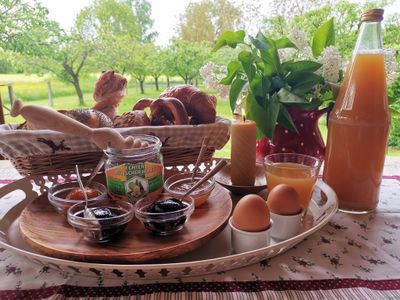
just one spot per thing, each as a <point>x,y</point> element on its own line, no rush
<point>353,256</point>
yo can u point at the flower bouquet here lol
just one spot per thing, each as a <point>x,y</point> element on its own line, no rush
<point>285,85</point>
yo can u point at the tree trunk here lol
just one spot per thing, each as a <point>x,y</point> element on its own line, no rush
<point>168,83</point>
<point>156,83</point>
<point>141,86</point>
<point>78,89</point>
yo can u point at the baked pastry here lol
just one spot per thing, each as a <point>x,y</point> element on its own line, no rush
<point>168,111</point>
<point>200,106</point>
<point>108,93</point>
<point>143,103</point>
<point>132,119</point>
<point>90,117</point>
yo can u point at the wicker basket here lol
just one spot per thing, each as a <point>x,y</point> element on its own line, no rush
<point>46,152</point>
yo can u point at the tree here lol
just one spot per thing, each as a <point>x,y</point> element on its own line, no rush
<point>188,58</point>
<point>294,14</point>
<point>137,66</point>
<point>67,61</point>
<point>157,64</point>
<point>25,27</point>
<point>206,20</point>
<point>142,8</point>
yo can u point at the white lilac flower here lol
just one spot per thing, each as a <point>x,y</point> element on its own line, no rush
<point>299,38</point>
<point>331,64</point>
<point>390,65</point>
<point>212,75</point>
<point>286,54</point>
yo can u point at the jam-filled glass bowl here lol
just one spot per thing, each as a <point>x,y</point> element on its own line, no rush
<point>165,215</point>
<point>178,184</point>
<point>109,220</point>
<point>63,195</point>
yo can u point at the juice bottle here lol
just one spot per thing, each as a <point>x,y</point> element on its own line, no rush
<point>359,123</point>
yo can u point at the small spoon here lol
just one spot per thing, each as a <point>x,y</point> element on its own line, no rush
<point>87,212</point>
<point>96,170</point>
<point>217,168</point>
<point>203,148</point>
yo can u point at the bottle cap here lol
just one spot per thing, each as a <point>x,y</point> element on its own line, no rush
<point>372,15</point>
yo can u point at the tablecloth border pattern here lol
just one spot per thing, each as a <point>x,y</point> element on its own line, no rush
<point>207,287</point>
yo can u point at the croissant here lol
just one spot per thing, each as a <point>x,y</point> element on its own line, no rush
<point>199,106</point>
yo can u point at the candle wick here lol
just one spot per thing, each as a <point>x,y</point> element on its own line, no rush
<point>244,118</point>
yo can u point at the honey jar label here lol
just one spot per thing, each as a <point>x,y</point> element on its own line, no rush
<point>132,181</point>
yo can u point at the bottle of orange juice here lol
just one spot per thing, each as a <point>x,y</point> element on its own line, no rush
<point>359,123</point>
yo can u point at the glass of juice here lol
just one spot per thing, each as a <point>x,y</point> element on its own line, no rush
<point>297,170</point>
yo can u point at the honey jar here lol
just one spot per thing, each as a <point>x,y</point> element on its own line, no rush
<point>137,172</point>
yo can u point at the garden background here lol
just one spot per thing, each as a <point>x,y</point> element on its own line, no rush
<point>44,64</point>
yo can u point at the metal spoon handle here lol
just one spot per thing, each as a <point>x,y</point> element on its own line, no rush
<point>203,148</point>
<point>217,168</point>
<point>96,170</point>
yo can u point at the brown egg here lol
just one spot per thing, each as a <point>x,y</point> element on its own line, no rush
<point>284,200</point>
<point>251,214</point>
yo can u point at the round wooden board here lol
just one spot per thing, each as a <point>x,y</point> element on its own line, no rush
<point>49,233</point>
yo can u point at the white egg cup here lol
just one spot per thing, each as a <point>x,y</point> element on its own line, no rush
<point>285,226</point>
<point>243,241</point>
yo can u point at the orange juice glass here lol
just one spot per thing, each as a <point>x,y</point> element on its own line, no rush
<point>297,170</point>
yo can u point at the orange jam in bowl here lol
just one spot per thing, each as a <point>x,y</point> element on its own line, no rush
<point>178,184</point>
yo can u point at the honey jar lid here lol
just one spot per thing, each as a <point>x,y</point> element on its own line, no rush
<point>372,15</point>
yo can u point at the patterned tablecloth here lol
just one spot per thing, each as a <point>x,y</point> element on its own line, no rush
<point>353,256</point>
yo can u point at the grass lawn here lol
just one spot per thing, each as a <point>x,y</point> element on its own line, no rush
<point>35,89</point>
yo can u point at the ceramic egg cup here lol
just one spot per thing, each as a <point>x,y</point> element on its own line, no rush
<point>285,226</point>
<point>243,241</point>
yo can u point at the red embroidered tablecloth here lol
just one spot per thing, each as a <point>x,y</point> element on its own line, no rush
<point>352,257</point>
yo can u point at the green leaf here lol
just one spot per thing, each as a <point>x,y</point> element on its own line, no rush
<point>246,58</point>
<point>394,112</point>
<point>235,90</point>
<point>230,38</point>
<point>271,61</point>
<point>302,82</point>
<point>262,43</point>
<point>285,119</point>
<point>233,68</point>
<point>284,43</point>
<point>265,118</point>
<point>324,36</point>
<point>303,65</point>
<point>286,96</point>
<point>256,86</point>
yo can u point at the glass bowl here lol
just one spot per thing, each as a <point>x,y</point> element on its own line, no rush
<point>112,217</point>
<point>167,222</point>
<point>58,192</point>
<point>178,184</point>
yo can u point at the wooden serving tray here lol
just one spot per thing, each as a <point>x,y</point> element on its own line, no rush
<point>48,232</point>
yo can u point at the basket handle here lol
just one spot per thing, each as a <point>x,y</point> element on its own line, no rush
<point>45,118</point>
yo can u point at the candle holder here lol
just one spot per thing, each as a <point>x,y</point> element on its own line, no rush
<point>223,177</point>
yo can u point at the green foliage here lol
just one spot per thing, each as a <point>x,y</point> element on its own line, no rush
<point>273,84</point>
<point>186,58</point>
<point>206,19</point>
<point>324,36</point>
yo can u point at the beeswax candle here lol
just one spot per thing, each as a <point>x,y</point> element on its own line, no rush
<point>243,152</point>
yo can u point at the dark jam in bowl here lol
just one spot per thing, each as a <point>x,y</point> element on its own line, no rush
<point>166,215</point>
<point>170,225</point>
<point>105,226</point>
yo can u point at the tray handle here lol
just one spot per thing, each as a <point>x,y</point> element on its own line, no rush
<point>24,185</point>
<point>327,201</point>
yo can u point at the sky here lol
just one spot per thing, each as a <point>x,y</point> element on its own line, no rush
<point>165,14</point>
